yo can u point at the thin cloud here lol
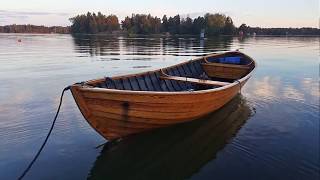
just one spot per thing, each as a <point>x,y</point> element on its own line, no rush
<point>26,13</point>
<point>28,17</point>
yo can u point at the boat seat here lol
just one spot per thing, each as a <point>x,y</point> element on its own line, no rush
<point>226,65</point>
<point>194,80</point>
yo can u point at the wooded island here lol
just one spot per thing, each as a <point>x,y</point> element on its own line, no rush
<point>211,24</point>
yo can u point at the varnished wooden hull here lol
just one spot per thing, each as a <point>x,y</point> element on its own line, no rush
<point>227,71</point>
<point>117,113</point>
<point>185,148</point>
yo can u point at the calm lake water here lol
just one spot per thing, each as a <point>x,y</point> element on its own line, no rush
<point>270,131</point>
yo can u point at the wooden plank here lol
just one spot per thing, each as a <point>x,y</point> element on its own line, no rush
<point>109,83</point>
<point>225,70</point>
<point>186,70</point>
<point>110,123</point>
<point>184,74</point>
<point>175,84</point>
<point>142,83</point>
<point>154,97</point>
<point>134,83</point>
<point>170,111</point>
<point>115,115</point>
<point>163,122</point>
<point>182,84</point>
<point>118,84</point>
<point>196,81</point>
<point>126,84</point>
<point>192,69</point>
<point>148,82</point>
<point>155,81</point>
<point>162,84</point>
<point>228,65</point>
<point>196,68</point>
<point>165,83</point>
<point>154,107</point>
<point>143,114</point>
<point>79,98</point>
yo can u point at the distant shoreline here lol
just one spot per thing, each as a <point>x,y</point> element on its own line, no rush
<point>155,35</point>
<point>208,25</point>
<point>66,30</point>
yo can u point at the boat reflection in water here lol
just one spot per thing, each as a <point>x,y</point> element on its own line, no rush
<point>175,152</point>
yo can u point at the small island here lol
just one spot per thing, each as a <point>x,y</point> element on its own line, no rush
<point>145,24</point>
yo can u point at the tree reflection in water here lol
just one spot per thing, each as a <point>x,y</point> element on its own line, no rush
<point>121,46</point>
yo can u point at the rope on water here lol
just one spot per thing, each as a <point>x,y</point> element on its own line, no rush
<point>45,141</point>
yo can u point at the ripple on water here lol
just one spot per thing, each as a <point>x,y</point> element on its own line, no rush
<point>279,142</point>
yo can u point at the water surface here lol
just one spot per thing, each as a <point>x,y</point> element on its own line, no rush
<point>270,131</point>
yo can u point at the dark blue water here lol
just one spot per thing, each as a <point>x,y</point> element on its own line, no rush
<point>270,131</point>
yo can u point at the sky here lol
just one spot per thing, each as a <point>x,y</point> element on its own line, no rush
<point>262,13</point>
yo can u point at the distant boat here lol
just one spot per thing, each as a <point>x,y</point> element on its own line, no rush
<point>202,34</point>
<point>123,105</point>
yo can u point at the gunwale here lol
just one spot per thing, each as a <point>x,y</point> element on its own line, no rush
<point>98,80</point>
<point>89,84</point>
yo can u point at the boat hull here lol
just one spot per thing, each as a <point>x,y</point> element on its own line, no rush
<point>115,114</point>
<point>123,105</point>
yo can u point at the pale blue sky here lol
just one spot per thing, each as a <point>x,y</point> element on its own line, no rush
<point>264,13</point>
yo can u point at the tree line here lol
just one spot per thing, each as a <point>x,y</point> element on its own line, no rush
<point>94,23</point>
<point>247,30</point>
<point>212,24</point>
<point>33,29</point>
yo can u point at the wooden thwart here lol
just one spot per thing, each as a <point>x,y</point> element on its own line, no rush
<point>226,65</point>
<point>194,80</point>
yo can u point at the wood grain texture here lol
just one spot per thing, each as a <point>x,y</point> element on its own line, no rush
<point>196,81</point>
<point>227,71</point>
<point>116,113</point>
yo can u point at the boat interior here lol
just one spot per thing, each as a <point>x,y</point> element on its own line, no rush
<point>188,76</point>
<point>233,60</point>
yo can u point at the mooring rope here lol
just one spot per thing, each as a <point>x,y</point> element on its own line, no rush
<point>45,141</point>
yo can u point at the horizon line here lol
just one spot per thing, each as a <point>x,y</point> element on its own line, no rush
<point>120,23</point>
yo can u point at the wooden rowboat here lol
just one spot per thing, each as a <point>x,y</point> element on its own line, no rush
<point>227,67</point>
<point>122,105</point>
